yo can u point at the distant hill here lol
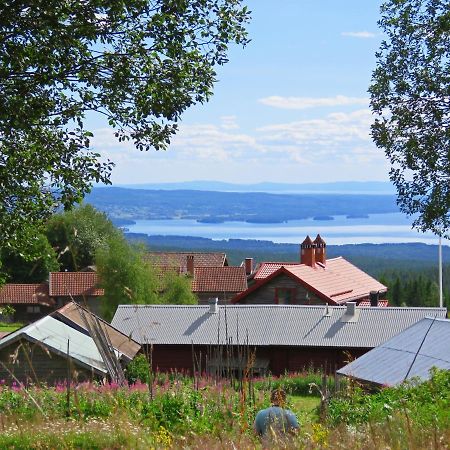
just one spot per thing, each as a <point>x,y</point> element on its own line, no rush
<point>216,207</point>
<point>339,187</point>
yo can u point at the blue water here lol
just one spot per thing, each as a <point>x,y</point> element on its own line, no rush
<point>376,229</point>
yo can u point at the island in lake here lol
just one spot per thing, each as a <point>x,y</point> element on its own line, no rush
<point>323,218</point>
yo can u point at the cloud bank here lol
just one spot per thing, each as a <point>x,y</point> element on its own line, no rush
<point>312,102</point>
<point>359,34</point>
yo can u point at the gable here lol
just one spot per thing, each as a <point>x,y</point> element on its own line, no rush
<point>336,282</point>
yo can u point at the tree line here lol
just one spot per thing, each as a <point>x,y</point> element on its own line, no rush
<point>416,288</point>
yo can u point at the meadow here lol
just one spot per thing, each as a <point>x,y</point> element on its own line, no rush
<point>176,411</point>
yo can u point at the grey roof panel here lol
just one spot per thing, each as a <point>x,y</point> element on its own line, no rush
<point>290,325</point>
<point>54,335</point>
<point>388,364</point>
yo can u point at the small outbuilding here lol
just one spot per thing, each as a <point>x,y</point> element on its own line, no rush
<point>71,343</point>
<point>409,354</point>
<point>49,351</point>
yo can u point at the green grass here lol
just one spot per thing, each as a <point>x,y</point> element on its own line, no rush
<point>10,327</point>
<point>305,408</point>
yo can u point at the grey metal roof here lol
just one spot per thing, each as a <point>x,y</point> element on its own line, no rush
<point>295,325</point>
<point>54,335</point>
<point>389,363</point>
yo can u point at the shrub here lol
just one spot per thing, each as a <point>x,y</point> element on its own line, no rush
<point>295,383</point>
<point>426,403</point>
<point>138,370</point>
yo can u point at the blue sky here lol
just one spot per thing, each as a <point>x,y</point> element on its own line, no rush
<point>290,107</point>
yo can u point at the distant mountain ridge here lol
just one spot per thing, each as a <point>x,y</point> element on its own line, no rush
<point>219,206</point>
<point>354,187</point>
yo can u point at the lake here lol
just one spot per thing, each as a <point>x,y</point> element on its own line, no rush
<point>376,229</point>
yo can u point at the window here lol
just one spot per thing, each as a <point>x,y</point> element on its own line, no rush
<point>33,309</point>
<point>285,296</point>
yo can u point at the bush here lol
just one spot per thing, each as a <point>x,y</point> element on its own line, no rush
<point>426,403</point>
<point>138,370</point>
<point>296,383</point>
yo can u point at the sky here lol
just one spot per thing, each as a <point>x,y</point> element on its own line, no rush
<point>290,107</point>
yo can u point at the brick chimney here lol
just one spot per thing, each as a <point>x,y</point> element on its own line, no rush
<point>307,252</point>
<point>321,255</point>
<point>190,264</point>
<point>248,266</point>
<point>373,296</point>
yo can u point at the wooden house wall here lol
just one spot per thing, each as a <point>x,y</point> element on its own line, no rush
<point>23,316</point>
<point>266,294</point>
<point>167,358</point>
<point>224,297</point>
<point>33,364</point>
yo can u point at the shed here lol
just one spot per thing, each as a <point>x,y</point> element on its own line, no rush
<point>409,354</point>
<point>47,351</point>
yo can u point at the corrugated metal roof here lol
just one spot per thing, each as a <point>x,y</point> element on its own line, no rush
<point>389,363</point>
<point>291,325</point>
<point>74,313</point>
<point>54,335</point>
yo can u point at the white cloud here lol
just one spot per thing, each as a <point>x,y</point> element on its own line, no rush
<point>334,138</point>
<point>359,34</point>
<point>229,123</point>
<point>211,141</point>
<point>311,102</point>
<point>335,143</point>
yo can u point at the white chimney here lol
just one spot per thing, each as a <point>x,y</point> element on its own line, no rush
<point>351,313</point>
<point>351,308</point>
<point>213,305</point>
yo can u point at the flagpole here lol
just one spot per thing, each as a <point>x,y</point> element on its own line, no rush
<point>441,302</point>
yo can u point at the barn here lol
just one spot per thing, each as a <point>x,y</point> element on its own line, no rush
<point>280,337</point>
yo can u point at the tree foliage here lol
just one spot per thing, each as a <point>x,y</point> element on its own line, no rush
<point>410,95</point>
<point>30,267</point>
<point>128,279</point>
<point>76,236</point>
<point>138,63</point>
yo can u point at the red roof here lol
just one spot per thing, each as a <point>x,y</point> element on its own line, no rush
<point>268,268</point>
<point>381,303</point>
<point>25,294</point>
<point>75,284</point>
<point>337,282</point>
<point>178,259</point>
<point>219,279</point>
